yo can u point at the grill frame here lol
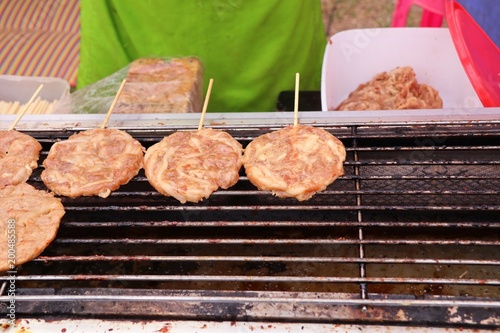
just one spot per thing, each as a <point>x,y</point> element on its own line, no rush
<point>362,306</point>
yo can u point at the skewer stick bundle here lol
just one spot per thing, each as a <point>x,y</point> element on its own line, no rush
<point>38,106</point>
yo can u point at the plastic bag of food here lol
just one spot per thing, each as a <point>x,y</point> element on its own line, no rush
<point>153,85</point>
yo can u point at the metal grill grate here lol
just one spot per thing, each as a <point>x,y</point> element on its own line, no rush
<point>409,234</point>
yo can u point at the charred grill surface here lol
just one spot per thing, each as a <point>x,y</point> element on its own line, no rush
<point>410,234</point>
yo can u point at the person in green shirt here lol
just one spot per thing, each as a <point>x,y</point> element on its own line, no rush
<point>251,48</point>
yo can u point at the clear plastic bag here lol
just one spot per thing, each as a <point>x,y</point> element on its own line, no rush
<point>153,85</point>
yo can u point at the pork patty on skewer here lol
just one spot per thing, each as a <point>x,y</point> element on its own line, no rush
<point>191,165</point>
<point>29,219</point>
<point>92,162</point>
<point>19,154</point>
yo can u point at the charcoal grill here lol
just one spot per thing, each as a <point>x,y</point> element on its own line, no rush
<point>408,236</point>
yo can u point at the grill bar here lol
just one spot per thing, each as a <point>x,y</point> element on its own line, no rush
<point>477,162</point>
<point>425,148</point>
<point>283,208</point>
<point>355,177</point>
<point>277,241</point>
<point>247,278</point>
<point>264,193</point>
<point>476,224</point>
<point>263,299</point>
<point>271,259</point>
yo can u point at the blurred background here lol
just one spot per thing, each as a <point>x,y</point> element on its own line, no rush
<point>340,15</point>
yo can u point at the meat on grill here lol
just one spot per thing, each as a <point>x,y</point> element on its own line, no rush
<point>30,220</point>
<point>191,165</point>
<point>19,154</point>
<point>394,90</point>
<point>296,161</point>
<point>93,162</point>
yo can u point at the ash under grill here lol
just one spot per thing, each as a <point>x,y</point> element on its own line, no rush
<point>410,234</point>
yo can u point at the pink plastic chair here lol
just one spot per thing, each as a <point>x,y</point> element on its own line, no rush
<point>432,16</point>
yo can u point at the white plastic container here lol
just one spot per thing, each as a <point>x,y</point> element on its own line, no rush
<point>354,56</point>
<point>20,88</point>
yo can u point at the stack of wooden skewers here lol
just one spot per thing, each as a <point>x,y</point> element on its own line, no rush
<point>38,106</point>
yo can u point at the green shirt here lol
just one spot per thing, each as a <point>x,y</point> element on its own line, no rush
<point>251,48</point>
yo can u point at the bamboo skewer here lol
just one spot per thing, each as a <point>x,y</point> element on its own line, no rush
<point>13,108</point>
<point>25,108</point>
<point>296,102</point>
<point>32,109</point>
<point>105,122</point>
<point>205,104</point>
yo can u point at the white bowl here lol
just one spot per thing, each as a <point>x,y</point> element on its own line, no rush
<point>354,56</point>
